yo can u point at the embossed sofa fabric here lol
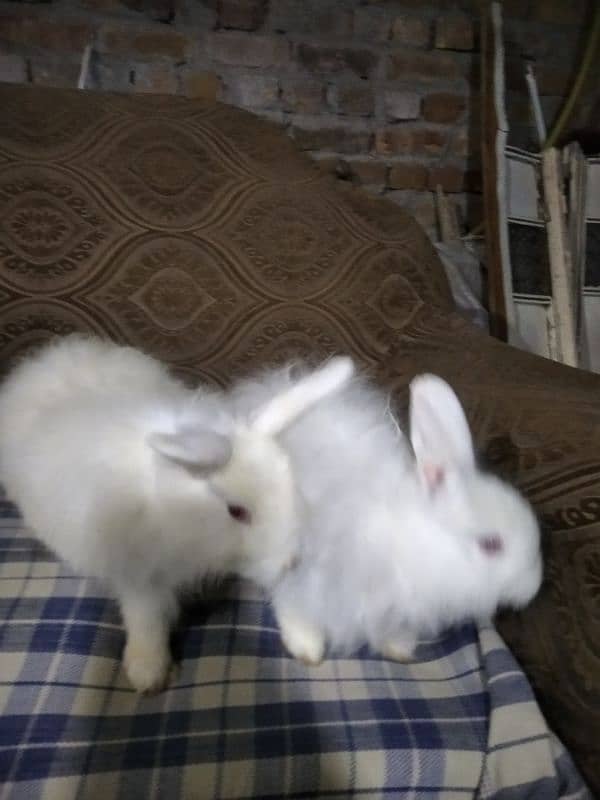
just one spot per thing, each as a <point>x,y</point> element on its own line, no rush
<point>195,231</point>
<point>538,424</point>
<point>198,233</point>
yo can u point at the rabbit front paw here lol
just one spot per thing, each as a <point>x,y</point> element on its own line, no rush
<point>303,639</point>
<point>147,666</point>
<point>400,648</point>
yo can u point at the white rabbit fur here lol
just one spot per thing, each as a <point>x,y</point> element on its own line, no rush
<point>133,478</point>
<point>400,542</point>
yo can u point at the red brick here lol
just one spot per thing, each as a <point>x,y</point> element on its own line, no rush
<point>101,5</point>
<point>357,100</point>
<point>370,172</point>
<point>454,33</point>
<point>108,73</point>
<point>444,107</point>
<point>411,5</point>
<point>470,7</point>
<point>331,60</point>
<point>559,12</point>
<point>54,69</point>
<point>130,41</point>
<point>411,30</point>
<point>205,85</point>
<point>196,17</point>
<point>407,176</point>
<point>517,9</point>
<point>251,91</point>
<point>303,95</point>
<point>401,105</point>
<point>38,30</point>
<point>309,17</point>
<point>244,15</point>
<point>460,144</point>
<point>155,79</point>
<point>12,68</point>
<point>332,165</point>
<point>337,140</point>
<point>416,65</point>
<point>450,178</point>
<point>403,140</point>
<point>407,3</point>
<point>248,50</point>
<point>333,22</point>
<point>160,10</point>
<point>372,24</point>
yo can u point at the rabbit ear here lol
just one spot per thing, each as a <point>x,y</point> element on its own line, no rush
<point>203,451</point>
<point>439,431</point>
<point>286,407</point>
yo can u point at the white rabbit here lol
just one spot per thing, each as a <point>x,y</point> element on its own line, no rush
<point>398,544</point>
<point>135,479</point>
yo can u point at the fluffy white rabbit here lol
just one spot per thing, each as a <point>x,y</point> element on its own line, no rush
<point>399,543</point>
<point>133,478</point>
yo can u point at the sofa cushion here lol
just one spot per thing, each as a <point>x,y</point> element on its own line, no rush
<point>199,233</point>
<point>195,231</point>
<point>242,720</point>
<point>537,423</point>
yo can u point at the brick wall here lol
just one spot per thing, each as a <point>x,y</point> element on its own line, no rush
<point>382,92</point>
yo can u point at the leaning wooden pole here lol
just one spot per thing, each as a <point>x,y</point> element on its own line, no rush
<point>575,164</point>
<point>494,135</point>
<point>561,263</point>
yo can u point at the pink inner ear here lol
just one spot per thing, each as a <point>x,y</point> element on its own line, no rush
<point>434,476</point>
<point>491,545</point>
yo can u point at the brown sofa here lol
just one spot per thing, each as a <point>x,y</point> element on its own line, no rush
<point>110,209</point>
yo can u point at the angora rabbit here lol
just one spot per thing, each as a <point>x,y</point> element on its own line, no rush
<point>133,478</point>
<point>399,544</point>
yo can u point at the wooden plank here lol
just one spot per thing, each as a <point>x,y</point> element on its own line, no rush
<point>494,133</point>
<point>576,175</point>
<point>559,250</point>
<point>536,106</point>
<point>534,315</point>
<point>85,66</point>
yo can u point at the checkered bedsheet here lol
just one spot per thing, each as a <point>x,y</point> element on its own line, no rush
<point>242,719</point>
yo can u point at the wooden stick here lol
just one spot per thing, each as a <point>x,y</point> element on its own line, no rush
<point>576,174</point>
<point>495,128</point>
<point>85,65</point>
<point>561,264</point>
<point>538,114</point>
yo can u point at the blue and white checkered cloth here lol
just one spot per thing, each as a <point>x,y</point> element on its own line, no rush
<point>241,719</point>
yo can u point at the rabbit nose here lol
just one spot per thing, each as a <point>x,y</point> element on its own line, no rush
<point>240,513</point>
<point>491,544</point>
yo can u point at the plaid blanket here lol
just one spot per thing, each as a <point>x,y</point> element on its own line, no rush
<point>243,720</point>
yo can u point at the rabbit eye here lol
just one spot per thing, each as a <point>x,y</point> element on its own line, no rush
<point>491,544</point>
<point>240,513</point>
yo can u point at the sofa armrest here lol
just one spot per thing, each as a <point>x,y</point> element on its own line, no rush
<point>537,423</point>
